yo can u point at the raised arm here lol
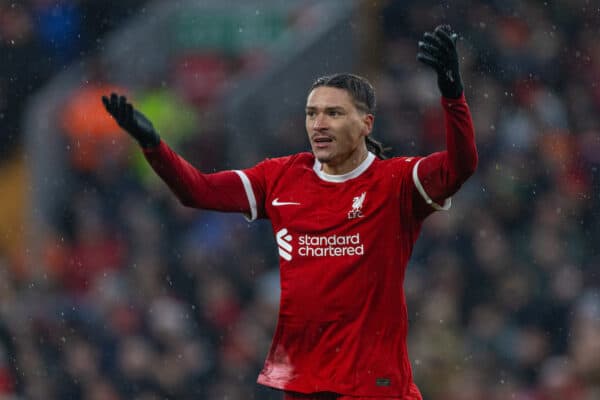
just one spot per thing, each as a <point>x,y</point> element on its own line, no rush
<point>439,175</point>
<point>221,191</point>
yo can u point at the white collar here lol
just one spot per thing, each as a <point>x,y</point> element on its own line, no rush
<point>362,167</point>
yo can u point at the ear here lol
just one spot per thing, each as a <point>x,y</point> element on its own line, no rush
<point>368,120</point>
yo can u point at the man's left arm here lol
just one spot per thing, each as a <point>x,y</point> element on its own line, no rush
<point>439,175</point>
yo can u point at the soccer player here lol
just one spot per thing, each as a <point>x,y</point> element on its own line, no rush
<point>345,220</point>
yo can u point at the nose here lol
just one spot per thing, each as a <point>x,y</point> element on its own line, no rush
<point>319,123</point>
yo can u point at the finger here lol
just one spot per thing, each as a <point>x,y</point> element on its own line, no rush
<point>431,39</point>
<point>106,103</point>
<point>428,60</point>
<point>434,41</point>
<point>444,27</point>
<point>122,108</point>
<point>129,112</point>
<point>447,29</point>
<point>429,48</point>
<point>454,38</point>
<point>110,104</point>
<point>113,104</point>
<point>434,56</point>
<point>445,39</point>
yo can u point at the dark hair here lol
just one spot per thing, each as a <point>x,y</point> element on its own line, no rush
<point>363,95</point>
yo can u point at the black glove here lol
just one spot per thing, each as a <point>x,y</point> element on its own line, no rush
<point>438,50</point>
<point>130,119</point>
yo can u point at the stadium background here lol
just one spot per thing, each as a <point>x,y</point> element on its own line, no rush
<point>109,289</point>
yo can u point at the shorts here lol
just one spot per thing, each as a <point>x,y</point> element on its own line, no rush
<point>331,396</point>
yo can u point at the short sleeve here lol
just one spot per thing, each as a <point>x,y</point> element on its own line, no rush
<point>256,184</point>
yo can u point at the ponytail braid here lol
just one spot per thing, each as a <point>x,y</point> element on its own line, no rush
<point>377,148</point>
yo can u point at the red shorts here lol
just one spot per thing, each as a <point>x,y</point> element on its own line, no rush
<point>334,396</point>
<point>310,396</point>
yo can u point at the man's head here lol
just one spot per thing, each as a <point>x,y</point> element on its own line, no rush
<point>339,117</point>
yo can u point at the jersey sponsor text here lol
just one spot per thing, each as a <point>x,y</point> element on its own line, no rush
<point>330,245</point>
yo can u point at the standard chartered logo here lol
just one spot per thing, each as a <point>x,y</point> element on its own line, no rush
<point>320,246</point>
<point>330,245</point>
<point>283,241</point>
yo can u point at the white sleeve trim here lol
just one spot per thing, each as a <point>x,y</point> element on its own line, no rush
<point>249,194</point>
<point>415,175</point>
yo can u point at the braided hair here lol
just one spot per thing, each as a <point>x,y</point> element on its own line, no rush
<point>363,95</point>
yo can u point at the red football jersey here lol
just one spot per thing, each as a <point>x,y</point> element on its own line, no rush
<point>344,243</point>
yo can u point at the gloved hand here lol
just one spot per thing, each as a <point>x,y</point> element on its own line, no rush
<point>130,119</point>
<point>438,50</point>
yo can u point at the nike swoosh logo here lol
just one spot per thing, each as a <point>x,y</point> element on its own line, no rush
<point>276,203</point>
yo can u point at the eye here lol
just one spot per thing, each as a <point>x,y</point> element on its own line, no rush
<point>310,114</point>
<point>334,113</point>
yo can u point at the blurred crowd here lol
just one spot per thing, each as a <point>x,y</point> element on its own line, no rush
<point>39,38</point>
<point>136,297</point>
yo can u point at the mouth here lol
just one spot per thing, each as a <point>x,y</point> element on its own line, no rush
<point>321,142</point>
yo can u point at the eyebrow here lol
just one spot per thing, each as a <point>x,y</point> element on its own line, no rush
<point>331,108</point>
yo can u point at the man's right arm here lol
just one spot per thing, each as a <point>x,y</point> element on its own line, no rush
<point>220,191</point>
<point>228,191</point>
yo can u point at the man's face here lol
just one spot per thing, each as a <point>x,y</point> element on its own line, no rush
<point>336,129</point>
